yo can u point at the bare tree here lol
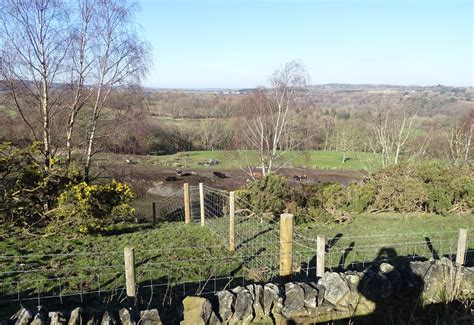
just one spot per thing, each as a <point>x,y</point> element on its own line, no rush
<point>81,62</point>
<point>58,57</point>
<point>459,138</point>
<point>34,36</point>
<point>121,60</point>
<point>392,128</point>
<point>268,117</point>
<point>213,134</point>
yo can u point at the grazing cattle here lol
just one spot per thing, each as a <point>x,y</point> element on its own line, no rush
<point>171,179</point>
<point>179,172</point>
<point>219,174</point>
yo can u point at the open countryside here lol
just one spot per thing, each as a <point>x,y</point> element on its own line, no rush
<point>281,191</point>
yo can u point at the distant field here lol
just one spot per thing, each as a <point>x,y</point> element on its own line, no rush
<point>235,159</point>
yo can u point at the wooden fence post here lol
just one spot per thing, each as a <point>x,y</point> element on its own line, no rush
<point>286,245</point>
<point>232,221</point>
<point>129,259</point>
<point>201,203</point>
<point>153,207</point>
<point>320,254</point>
<point>462,241</point>
<point>187,204</point>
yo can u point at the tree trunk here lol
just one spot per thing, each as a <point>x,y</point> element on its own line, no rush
<point>90,143</point>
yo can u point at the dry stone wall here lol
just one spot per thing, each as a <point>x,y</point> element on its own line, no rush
<point>334,296</point>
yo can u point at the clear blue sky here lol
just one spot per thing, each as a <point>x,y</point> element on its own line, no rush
<point>230,43</point>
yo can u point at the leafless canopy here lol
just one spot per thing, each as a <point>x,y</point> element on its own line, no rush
<point>269,113</point>
<point>58,57</point>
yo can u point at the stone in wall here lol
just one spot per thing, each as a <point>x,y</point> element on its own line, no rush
<point>334,296</point>
<point>343,295</point>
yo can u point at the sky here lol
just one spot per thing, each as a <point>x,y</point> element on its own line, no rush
<point>238,44</point>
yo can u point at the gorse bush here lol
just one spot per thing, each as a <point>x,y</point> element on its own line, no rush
<point>87,208</point>
<point>361,198</point>
<point>316,202</point>
<point>55,199</point>
<point>267,194</point>
<point>432,187</point>
<point>428,187</point>
<point>27,190</point>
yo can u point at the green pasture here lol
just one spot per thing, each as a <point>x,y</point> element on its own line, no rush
<point>234,159</point>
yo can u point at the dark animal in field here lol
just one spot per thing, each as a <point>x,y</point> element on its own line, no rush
<point>300,178</point>
<point>186,174</point>
<point>179,172</point>
<point>219,174</point>
<point>171,179</point>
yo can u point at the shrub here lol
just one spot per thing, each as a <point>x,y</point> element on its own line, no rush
<point>312,214</point>
<point>360,197</point>
<point>92,208</point>
<point>317,198</point>
<point>334,197</point>
<point>267,194</point>
<point>27,190</point>
<point>400,194</point>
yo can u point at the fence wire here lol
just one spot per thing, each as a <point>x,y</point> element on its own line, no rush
<point>35,277</point>
<point>359,252</point>
<point>170,208</point>
<point>256,233</point>
<point>166,274</point>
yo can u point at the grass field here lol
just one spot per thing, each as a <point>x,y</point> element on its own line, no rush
<point>236,159</point>
<point>172,252</point>
<point>386,236</point>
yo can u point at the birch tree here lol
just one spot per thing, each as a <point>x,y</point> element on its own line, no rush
<point>459,138</point>
<point>81,62</point>
<point>392,128</point>
<point>121,60</point>
<point>268,114</point>
<point>34,36</point>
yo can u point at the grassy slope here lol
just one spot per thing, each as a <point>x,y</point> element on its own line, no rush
<point>370,236</point>
<point>389,223</point>
<point>190,252</point>
<point>168,252</point>
<point>235,159</point>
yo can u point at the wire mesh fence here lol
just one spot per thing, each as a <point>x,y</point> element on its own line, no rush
<point>216,211</point>
<point>256,233</point>
<point>167,273</point>
<point>36,277</point>
<point>359,252</point>
<point>170,208</point>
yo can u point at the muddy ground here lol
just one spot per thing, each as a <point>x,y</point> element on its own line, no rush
<point>165,181</point>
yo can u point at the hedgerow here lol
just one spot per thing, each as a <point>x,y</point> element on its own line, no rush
<point>431,187</point>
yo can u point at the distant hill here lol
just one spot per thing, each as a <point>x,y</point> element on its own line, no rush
<point>322,87</point>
